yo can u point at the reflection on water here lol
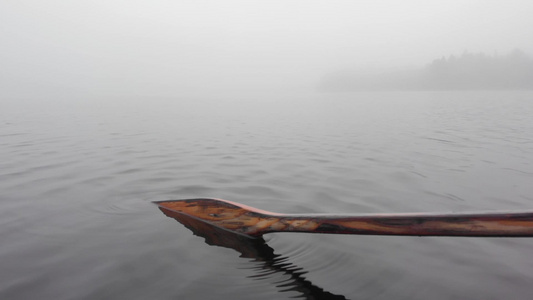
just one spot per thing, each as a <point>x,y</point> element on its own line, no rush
<point>256,248</point>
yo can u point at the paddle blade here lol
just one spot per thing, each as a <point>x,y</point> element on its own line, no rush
<point>231,216</point>
<point>247,246</point>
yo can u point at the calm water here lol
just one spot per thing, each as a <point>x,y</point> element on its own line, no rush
<point>77,178</point>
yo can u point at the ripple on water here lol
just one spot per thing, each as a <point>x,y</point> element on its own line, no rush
<point>76,212</point>
<point>194,190</point>
<point>125,206</point>
<point>286,267</point>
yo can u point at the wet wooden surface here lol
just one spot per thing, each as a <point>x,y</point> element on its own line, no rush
<point>255,222</point>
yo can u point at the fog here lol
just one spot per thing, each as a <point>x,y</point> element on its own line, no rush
<point>469,71</point>
<point>80,49</point>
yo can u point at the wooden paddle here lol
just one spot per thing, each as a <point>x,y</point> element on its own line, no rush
<point>253,222</point>
<point>265,262</point>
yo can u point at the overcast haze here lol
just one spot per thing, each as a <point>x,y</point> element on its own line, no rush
<point>171,48</point>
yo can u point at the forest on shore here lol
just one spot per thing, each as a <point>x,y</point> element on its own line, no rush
<point>469,71</point>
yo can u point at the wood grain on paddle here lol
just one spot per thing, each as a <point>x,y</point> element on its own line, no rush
<point>251,221</point>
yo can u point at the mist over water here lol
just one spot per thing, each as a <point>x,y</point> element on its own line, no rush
<point>287,106</point>
<point>126,49</point>
<point>469,71</point>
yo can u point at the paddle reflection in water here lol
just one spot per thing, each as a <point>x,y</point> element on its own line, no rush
<point>257,249</point>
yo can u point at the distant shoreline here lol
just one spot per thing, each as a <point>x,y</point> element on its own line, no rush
<point>513,71</point>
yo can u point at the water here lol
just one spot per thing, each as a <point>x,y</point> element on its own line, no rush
<point>77,179</point>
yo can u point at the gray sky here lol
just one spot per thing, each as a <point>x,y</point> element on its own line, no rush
<point>169,48</point>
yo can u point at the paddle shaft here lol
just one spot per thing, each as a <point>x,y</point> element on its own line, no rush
<point>489,225</point>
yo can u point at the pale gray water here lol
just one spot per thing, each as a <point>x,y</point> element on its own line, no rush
<point>77,177</point>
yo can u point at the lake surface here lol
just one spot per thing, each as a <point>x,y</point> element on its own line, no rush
<point>77,178</point>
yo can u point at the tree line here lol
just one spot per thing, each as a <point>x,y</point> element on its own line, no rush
<point>469,71</point>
